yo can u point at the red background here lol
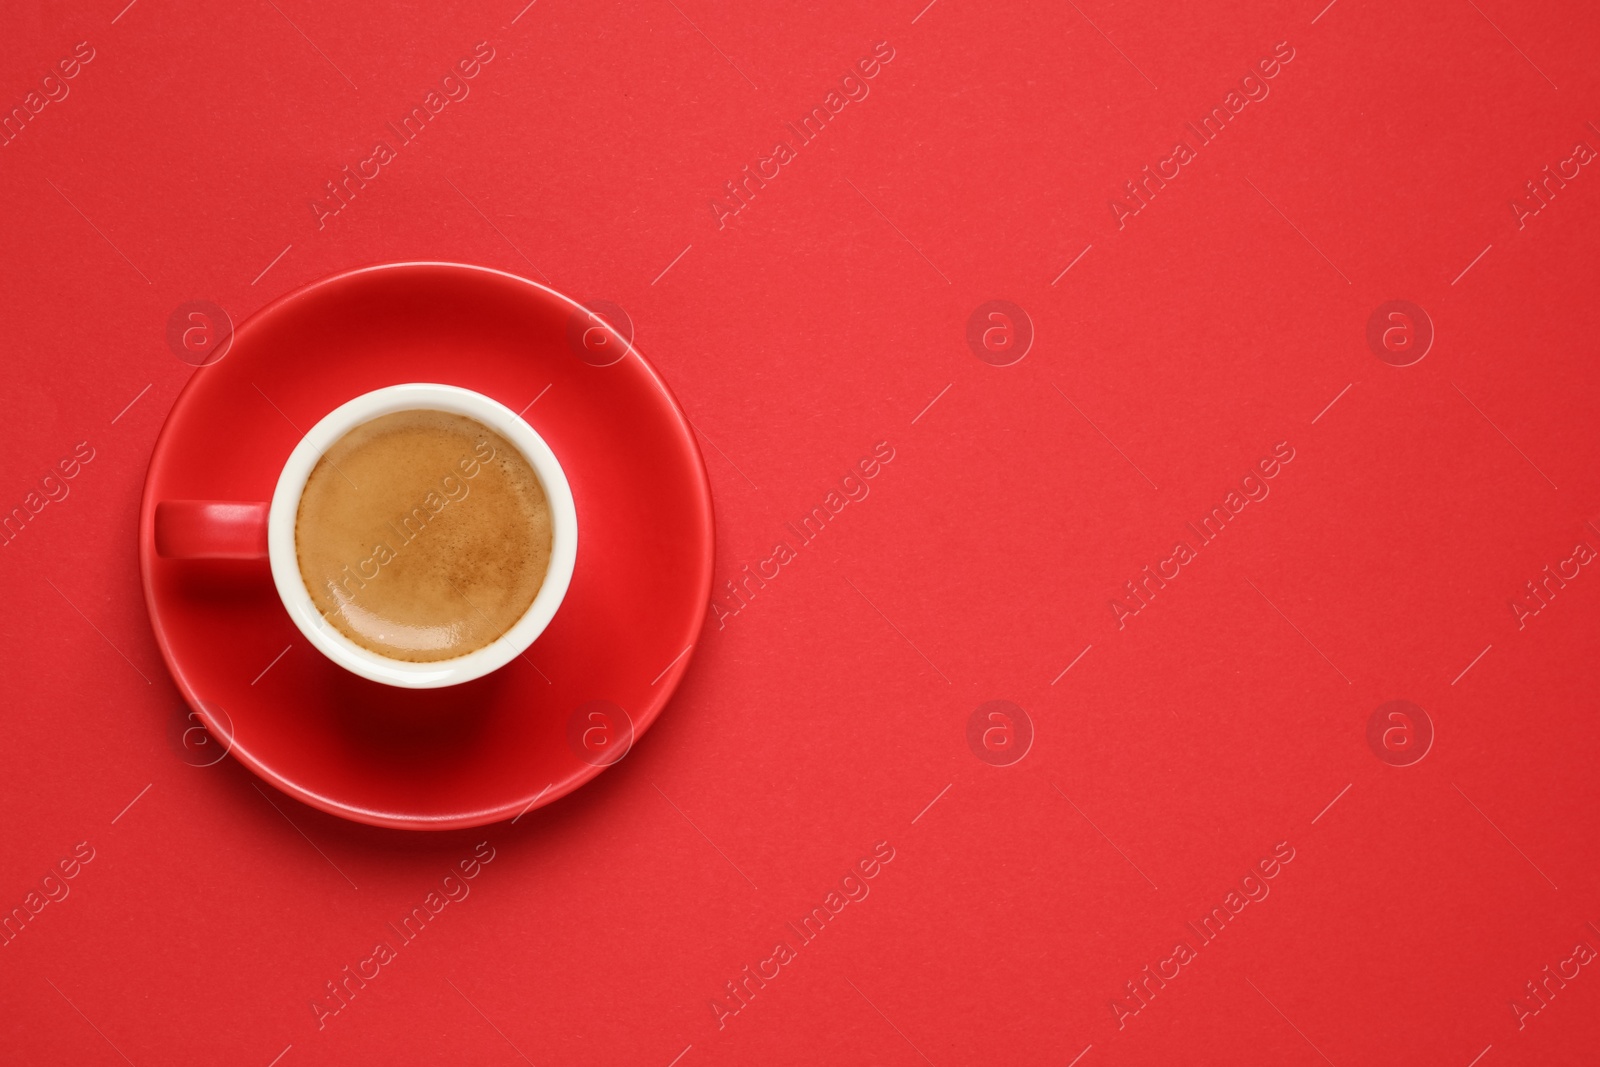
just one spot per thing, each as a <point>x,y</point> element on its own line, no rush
<point>827,713</point>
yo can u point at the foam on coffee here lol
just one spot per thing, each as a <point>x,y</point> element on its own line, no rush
<point>423,535</point>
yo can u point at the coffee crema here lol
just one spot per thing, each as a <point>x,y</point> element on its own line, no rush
<point>423,535</point>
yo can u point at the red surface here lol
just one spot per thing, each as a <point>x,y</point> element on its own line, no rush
<point>499,746</point>
<point>827,713</point>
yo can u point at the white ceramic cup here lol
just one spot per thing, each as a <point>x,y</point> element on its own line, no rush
<point>285,563</point>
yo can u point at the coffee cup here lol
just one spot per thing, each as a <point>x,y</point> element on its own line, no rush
<point>423,657</point>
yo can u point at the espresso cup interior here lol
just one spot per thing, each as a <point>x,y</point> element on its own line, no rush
<point>422,535</point>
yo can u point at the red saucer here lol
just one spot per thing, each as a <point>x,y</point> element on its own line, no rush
<point>533,730</point>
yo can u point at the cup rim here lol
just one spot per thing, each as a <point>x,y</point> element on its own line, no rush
<point>285,506</point>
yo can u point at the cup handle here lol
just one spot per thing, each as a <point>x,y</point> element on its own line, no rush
<point>211,529</point>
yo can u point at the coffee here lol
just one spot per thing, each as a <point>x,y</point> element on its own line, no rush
<point>423,535</point>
